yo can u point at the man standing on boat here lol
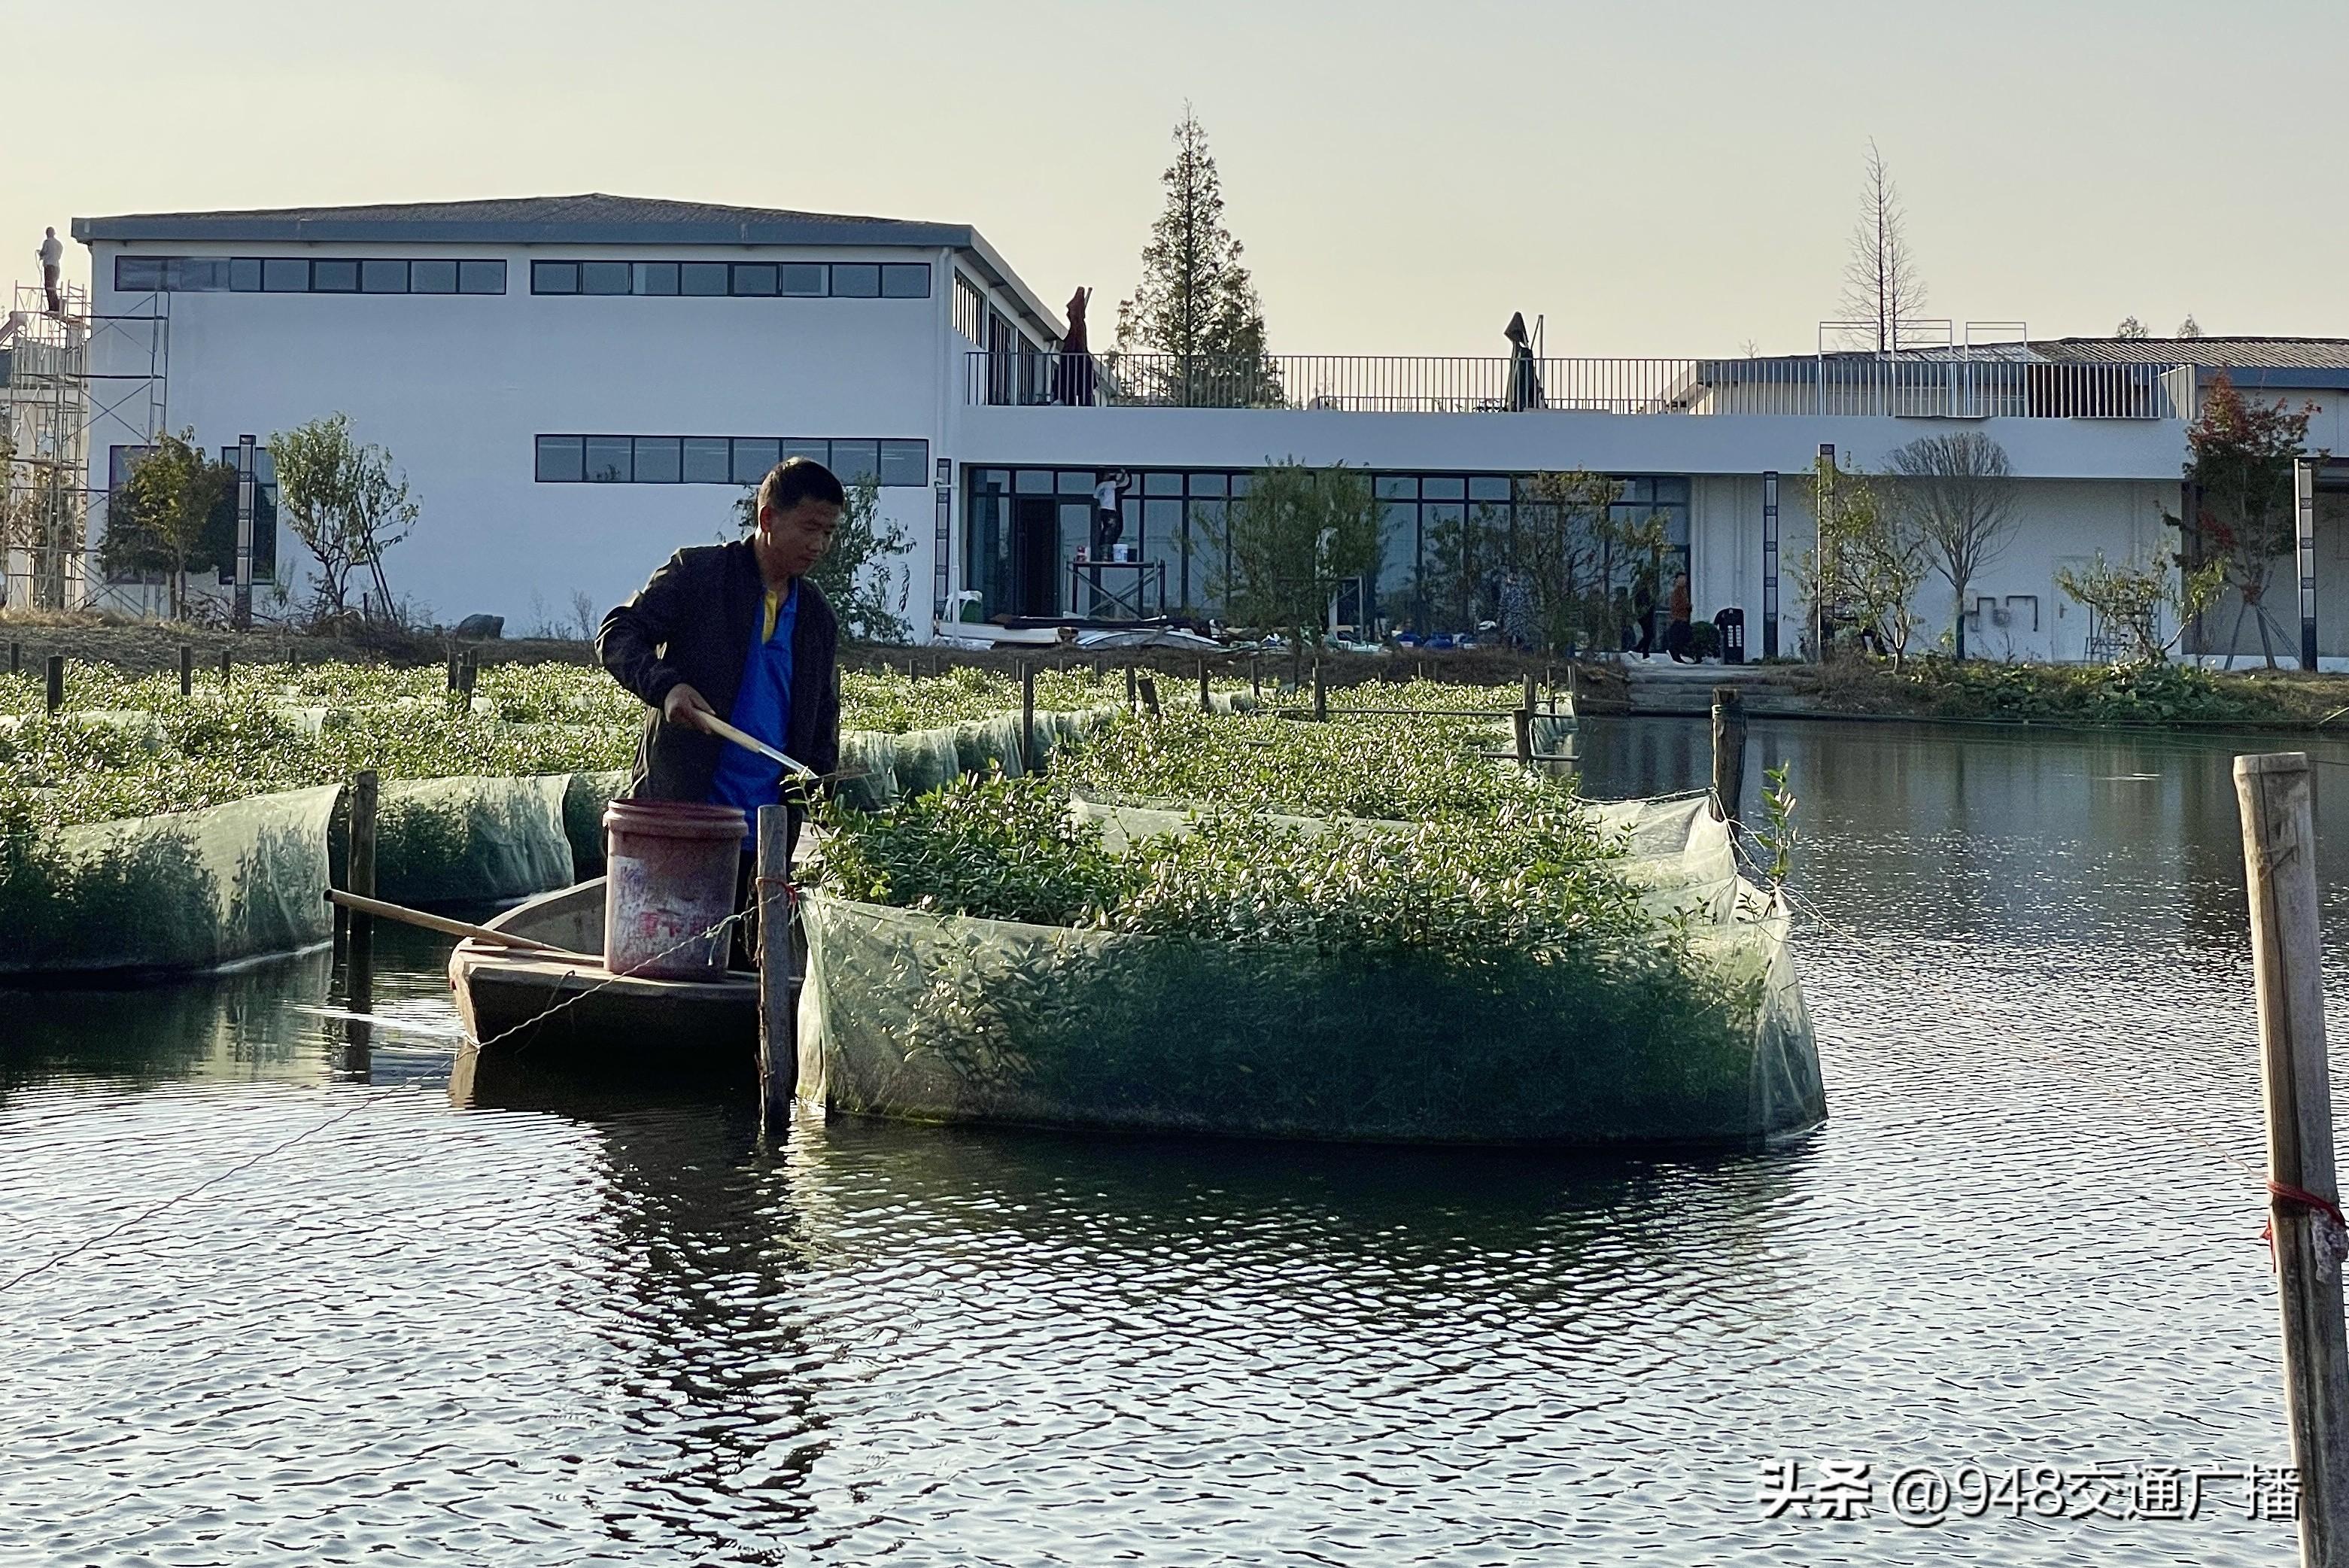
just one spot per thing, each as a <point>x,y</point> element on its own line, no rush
<point>736,630</point>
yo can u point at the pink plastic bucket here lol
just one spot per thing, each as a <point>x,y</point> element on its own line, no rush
<point>671,870</point>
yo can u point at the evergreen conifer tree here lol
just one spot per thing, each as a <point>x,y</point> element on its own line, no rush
<point>1195,301</point>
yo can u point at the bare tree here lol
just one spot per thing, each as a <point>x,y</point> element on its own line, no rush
<point>1958,492</point>
<point>1881,284</point>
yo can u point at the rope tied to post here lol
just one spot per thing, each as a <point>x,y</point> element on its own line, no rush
<point>2335,1234</point>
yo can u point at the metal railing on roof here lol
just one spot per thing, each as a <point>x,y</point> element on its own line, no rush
<point>1898,387</point>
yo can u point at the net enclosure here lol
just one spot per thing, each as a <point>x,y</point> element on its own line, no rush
<point>1699,1038</point>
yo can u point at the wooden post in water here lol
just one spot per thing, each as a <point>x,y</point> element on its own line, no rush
<point>56,671</point>
<point>1028,759</point>
<point>1320,693</point>
<point>2275,794</point>
<point>1204,707</point>
<point>778,1014</point>
<point>1728,752</point>
<point>187,670</point>
<point>1150,696</point>
<point>358,861</point>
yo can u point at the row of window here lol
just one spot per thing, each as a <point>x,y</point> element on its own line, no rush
<point>722,459</point>
<point>302,275</point>
<point>389,275</point>
<point>756,280</point>
<point>217,546</point>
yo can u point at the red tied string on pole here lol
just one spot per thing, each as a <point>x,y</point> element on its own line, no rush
<point>2315,1202</point>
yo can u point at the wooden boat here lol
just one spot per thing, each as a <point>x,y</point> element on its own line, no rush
<point>559,1014</point>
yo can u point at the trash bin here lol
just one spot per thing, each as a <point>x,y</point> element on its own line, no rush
<point>1732,626</point>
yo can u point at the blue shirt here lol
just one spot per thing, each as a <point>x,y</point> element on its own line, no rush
<point>762,705</point>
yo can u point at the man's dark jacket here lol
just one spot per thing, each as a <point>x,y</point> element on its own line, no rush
<point>694,622</point>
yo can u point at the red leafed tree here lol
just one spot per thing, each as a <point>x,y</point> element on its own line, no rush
<point>2239,458</point>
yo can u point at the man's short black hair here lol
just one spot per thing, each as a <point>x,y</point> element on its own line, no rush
<point>797,480</point>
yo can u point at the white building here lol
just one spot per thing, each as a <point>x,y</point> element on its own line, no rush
<point>576,385</point>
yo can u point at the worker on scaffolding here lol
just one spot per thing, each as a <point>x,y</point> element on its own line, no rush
<point>53,257</point>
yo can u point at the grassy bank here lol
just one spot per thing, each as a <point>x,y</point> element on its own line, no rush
<point>2149,695</point>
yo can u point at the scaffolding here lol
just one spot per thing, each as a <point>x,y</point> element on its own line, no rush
<point>73,387</point>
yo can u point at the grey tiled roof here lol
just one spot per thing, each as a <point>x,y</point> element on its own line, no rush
<point>593,217</point>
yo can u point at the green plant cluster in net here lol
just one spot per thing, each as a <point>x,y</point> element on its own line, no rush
<point>1533,876</point>
<point>1402,769</point>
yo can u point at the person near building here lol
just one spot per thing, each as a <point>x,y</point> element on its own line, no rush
<point>1678,635</point>
<point>53,258</point>
<point>737,631</point>
<point>1109,512</point>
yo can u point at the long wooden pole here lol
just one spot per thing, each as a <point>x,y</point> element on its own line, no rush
<point>56,673</point>
<point>1728,753</point>
<point>360,906</point>
<point>778,1017</point>
<point>2275,794</point>
<point>187,670</point>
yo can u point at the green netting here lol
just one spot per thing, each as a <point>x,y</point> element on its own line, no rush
<point>186,891</point>
<point>988,745</point>
<point>465,840</point>
<point>880,769</point>
<point>946,1018</point>
<point>584,799</point>
<point>926,760</point>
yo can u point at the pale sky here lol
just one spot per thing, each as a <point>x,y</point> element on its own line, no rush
<point>1657,178</point>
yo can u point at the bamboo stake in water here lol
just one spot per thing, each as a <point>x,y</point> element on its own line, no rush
<point>2276,796</point>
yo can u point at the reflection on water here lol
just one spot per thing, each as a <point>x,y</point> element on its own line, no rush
<point>565,1323</point>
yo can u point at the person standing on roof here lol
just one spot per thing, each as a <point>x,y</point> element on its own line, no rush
<point>737,630</point>
<point>53,257</point>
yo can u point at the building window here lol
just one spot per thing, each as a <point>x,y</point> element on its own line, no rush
<point>284,274</point>
<point>805,280</point>
<point>855,279</point>
<point>723,459</point>
<point>553,277</point>
<point>969,311</point>
<point>561,460</point>
<point>657,277</point>
<point>432,277</point>
<point>701,278</point>
<point>334,277</point>
<point>383,277</point>
<point>906,280</point>
<point>220,529</point>
<point>754,280</point>
<point>611,459</point>
<point>606,277</point>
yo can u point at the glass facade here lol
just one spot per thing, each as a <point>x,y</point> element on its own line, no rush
<point>1446,538</point>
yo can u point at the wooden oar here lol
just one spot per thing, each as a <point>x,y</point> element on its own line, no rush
<point>447,927</point>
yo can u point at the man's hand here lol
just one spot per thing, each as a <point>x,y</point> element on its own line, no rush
<point>684,706</point>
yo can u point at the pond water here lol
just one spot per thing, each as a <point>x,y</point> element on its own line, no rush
<point>266,1301</point>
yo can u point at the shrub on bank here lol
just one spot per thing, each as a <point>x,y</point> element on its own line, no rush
<point>2087,694</point>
